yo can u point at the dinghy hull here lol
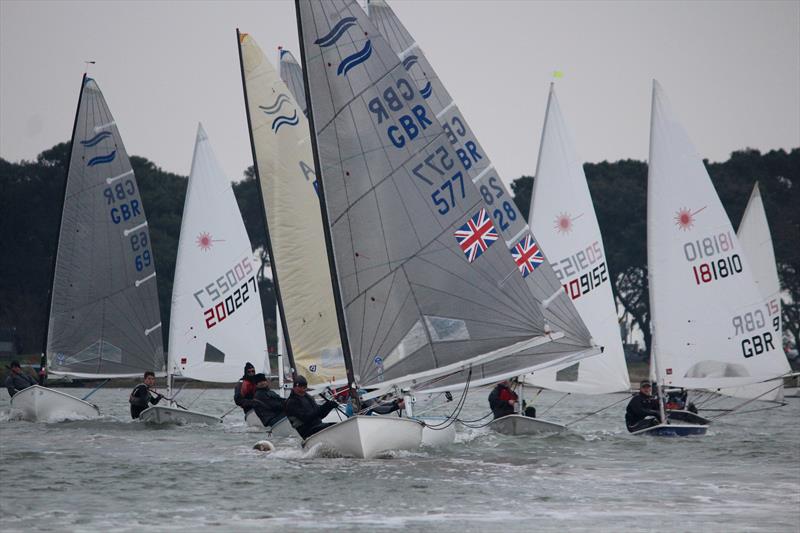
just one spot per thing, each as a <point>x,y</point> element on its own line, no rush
<point>365,437</point>
<point>160,414</point>
<point>688,417</point>
<point>673,430</point>
<point>40,404</point>
<point>437,437</point>
<point>524,425</point>
<point>284,428</point>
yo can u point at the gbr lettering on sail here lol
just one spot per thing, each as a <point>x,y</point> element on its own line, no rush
<point>714,258</point>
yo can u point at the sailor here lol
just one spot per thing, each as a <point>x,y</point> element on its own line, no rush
<point>503,400</point>
<point>642,411</point>
<point>16,380</point>
<point>245,389</point>
<point>303,412</point>
<point>268,405</point>
<point>140,398</point>
<point>375,406</point>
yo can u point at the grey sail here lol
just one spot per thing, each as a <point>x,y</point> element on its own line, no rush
<point>291,74</point>
<point>424,281</point>
<point>559,313</point>
<point>104,317</point>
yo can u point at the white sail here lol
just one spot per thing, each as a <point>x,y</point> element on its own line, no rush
<point>286,171</point>
<point>564,220</point>
<point>756,241</point>
<point>217,323</point>
<point>711,326</point>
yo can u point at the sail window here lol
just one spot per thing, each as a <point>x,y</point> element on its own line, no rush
<point>412,341</point>
<point>213,354</point>
<point>446,329</point>
<point>331,357</point>
<point>568,374</point>
<point>102,350</point>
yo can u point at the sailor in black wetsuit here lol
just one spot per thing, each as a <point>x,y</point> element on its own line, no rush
<point>140,398</point>
<point>642,411</point>
<point>16,380</point>
<point>268,405</point>
<point>303,412</point>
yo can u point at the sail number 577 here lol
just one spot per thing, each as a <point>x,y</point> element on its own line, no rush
<point>435,166</point>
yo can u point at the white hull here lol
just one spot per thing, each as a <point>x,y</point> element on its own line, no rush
<point>40,404</point>
<point>524,425</point>
<point>437,437</point>
<point>365,437</point>
<point>160,414</point>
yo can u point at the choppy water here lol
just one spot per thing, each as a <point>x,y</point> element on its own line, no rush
<point>113,473</point>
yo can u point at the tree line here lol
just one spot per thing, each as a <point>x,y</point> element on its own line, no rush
<point>30,209</point>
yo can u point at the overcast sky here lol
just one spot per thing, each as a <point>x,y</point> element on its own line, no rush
<point>731,70</point>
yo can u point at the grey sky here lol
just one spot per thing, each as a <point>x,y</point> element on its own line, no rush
<point>731,70</point>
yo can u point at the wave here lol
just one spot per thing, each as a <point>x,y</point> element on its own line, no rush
<point>281,120</point>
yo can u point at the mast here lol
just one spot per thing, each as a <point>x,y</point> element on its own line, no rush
<point>337,295</point>
<point>60,220</point>
<point>276,285</point>
<point>654,369</point>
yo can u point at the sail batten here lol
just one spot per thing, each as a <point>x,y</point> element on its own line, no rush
<point>101,311</point>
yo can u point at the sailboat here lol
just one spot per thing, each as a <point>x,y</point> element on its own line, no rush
<point>425,297</point>
<point>756,241</point>
<point>103,320</point>
<point>526,248</point>
<point>216,322</point>
<point>710,320</point>
<point>564,218</point>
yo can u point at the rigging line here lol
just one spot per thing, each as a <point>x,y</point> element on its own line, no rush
<point>599,410</point>
<point>748,401</point>
<point>554,404</point>
<point>761,409</point>
<point>451,419</point>
<point>198,396</point>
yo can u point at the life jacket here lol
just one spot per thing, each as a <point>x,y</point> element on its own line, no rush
<point>507,394</point>
<point>247,389</point>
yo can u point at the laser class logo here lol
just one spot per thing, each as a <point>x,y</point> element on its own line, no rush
<point>204,241</point>
<point>685,218</point>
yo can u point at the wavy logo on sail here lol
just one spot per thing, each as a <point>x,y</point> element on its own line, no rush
<point>354,60</point>
<point>336,32</point>
<point>281,120</point>
<point>274,108</point>
<point>96,139</point>
<point>101,159</point>
<point>410,61</point>
<point>426,91</point>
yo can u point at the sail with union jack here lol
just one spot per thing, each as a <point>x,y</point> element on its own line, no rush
<point>476,235</point>
<point>527,255</point>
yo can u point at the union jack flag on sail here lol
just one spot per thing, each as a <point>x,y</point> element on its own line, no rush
<point>528,255</point>
<point>476,235</point>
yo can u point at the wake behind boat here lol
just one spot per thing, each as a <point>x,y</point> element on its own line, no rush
<point>162,414</point>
